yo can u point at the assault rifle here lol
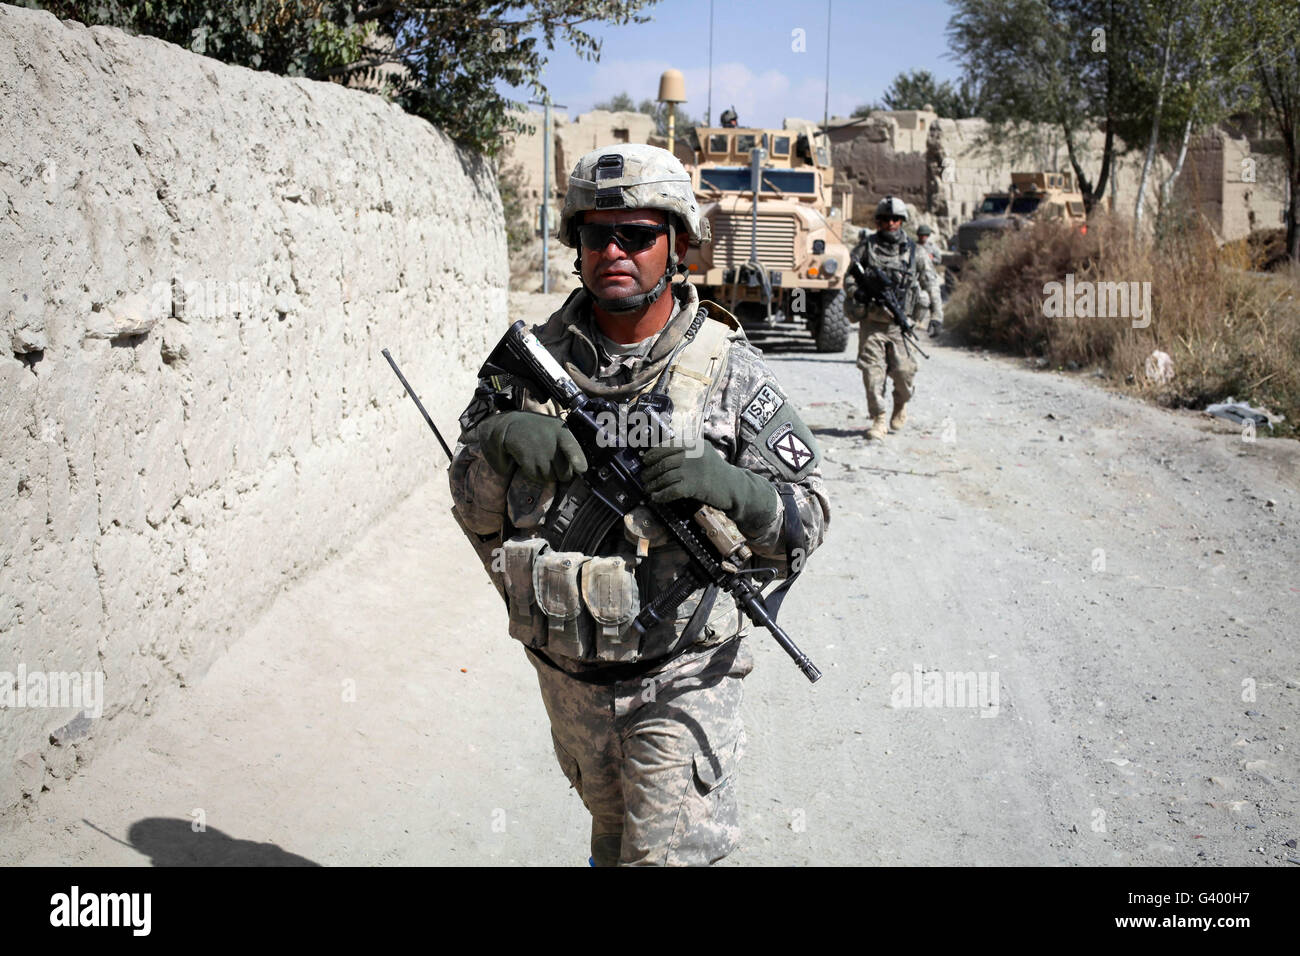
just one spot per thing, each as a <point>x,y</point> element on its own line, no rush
<point>612,487</point>
<point>874,287</point>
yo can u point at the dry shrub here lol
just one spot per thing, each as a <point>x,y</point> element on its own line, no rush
<point>1262,250</point>
<point>1230,331</point>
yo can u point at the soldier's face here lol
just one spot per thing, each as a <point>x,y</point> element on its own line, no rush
<point>613,273</point>
<point>889,223</point>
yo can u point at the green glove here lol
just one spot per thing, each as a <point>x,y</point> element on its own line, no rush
<point>540,445</point>
<point>747,498</point>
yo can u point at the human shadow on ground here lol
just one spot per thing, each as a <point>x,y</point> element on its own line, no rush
<point>174,842</point>
<point>839,432</point>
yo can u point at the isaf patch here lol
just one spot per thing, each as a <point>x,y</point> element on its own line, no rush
<point>760,409</point>
<point>792,450</point>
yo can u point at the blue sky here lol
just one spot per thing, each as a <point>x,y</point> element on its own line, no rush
<point>754,64</point>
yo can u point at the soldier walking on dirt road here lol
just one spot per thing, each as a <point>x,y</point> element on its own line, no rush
<point>883,353</point>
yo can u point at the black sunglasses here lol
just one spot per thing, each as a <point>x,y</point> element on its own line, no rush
<point>889,219</point>
<point>630,237</point>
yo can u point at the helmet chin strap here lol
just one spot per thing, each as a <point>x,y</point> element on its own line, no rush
<point>640,300</point>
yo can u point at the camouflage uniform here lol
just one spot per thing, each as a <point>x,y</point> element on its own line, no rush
<point>648,735</point>
<point>882,351</point>
<point>925,297</point>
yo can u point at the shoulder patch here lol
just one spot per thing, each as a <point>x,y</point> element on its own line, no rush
<point>759,410</point>
<point>792,450</point>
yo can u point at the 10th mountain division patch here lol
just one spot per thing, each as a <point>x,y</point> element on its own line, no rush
<point>789,447</point>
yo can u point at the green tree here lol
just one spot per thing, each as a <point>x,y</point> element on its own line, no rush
<point>618,103</point>
<point>919,88</point>
<point>866,109</point>
<point>1177,79</point>
<point>682,121</point>
<point>623,102</point>
<point>440,60</point>
<point>1269,43</point>
<point>1053,62</point>
<point>292,37</point>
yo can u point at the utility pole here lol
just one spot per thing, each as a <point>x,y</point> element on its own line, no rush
<point>544,213</point>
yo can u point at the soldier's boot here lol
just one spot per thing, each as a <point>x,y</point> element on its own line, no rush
<point>879,428</point>
<point>899,418</point>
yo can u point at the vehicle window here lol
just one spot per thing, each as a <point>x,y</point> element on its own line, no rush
<point>725,178</point>
<point>1024,205</point>
<point>718,143</point>
<point>994,204</point>
<point>745,142</point>
<point>737,179</point>
<point>1076,208</point>
<point>780,145</point>
<point>789,180</point>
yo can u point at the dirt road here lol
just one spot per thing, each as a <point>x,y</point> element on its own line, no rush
<point>1115,583</point>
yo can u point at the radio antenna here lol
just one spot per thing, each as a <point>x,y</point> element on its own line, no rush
<point>708,110</point>
<point>826,107</point>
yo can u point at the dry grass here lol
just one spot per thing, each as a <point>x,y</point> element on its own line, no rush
<point>1230,331</point>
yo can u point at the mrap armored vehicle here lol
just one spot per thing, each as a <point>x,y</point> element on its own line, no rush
<point>1033,197</point>
<point>780,259</point>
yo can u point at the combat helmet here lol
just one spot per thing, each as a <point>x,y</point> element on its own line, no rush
<point>633,176</point>
<point>891,206</point>
<point>924,230</point>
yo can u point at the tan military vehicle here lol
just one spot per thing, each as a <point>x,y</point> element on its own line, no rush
<point>1033,197</point>
<point>780,260</point>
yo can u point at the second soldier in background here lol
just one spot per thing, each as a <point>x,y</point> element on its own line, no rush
<point>883,354</point>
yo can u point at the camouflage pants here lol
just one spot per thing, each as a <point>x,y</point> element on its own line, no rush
<point>882,354</point>
<point>654,758</point>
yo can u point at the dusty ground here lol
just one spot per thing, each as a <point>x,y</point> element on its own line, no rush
<point>1128,573</point>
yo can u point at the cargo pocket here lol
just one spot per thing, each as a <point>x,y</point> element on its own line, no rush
<point>708,825</point>
<point>555,581</point>
<point>527,622</point>
<point>610,593</point>
<point>479,493</point>
<point>568,764</point>
<point>713,770</point>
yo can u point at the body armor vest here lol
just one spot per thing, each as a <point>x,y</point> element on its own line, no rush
<point>901,271</point>
<point>581,606</point>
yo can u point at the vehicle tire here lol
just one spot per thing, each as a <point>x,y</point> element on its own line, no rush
<point>832,333</point>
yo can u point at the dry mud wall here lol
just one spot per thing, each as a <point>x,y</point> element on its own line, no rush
<point>199,265</point>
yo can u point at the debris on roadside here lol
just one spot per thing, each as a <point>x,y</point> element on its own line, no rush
<point>1159,367</point>
<point>1239,413</point>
